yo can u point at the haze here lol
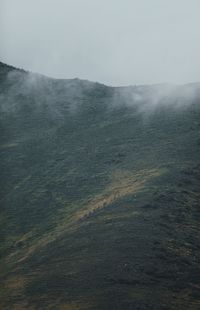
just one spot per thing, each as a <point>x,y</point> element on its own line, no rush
<point>116,42</point>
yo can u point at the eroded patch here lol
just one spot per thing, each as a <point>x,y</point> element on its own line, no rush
<point>16,283</point>
<point>123,183</point>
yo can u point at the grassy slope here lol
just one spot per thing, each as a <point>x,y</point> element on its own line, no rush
<point>100,202</point>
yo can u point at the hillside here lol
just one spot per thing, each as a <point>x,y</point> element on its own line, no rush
<point>100,192</point>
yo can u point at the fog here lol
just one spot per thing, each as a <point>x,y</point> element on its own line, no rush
<point>116,42</point>
<point>60,97</point>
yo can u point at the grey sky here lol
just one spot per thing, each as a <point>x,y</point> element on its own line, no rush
<point>117,42</point>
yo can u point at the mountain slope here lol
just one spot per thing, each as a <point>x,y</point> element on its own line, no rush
<point>99,194</point>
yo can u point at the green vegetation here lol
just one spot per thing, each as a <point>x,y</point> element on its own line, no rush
<point>99,195</point>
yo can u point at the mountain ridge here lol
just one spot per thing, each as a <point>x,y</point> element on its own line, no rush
<point>12,67</point>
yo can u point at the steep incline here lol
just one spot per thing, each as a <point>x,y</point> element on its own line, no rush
<point>100,191</point>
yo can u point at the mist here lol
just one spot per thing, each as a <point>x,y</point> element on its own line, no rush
<point>57,99</point>
<point>129,42</point>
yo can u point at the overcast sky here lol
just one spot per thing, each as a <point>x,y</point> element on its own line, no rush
<point>116,42</point>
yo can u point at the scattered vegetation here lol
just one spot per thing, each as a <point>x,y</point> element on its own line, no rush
<point>99,196</point>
